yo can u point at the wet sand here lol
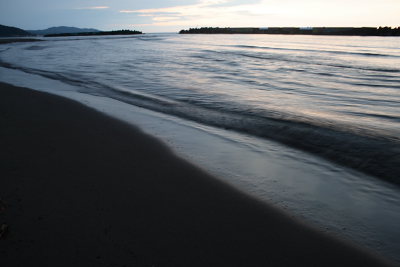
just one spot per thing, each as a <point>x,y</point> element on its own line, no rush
<point>79,188</point>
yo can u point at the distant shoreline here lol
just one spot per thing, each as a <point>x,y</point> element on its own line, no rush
<point>121,32</point>
<point>17,40</point>
<point>336,31</point>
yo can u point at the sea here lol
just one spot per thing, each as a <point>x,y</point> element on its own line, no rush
<point>310,124</point>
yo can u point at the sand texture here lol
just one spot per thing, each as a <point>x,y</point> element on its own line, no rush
<point>78,188</point>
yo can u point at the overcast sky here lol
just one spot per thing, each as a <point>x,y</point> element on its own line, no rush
<point>173,15</point>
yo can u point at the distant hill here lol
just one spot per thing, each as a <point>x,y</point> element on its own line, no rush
<point>61,30</point>
<point>6,31</point>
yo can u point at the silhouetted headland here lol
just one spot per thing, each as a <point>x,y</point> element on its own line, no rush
<point>351,31</point>
<point>120,32</point>
<point>7,31</point>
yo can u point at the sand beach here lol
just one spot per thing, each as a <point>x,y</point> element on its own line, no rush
<point>82,189</point>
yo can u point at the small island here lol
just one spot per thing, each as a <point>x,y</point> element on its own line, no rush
<point>99,33</point>
<point>349,31</point>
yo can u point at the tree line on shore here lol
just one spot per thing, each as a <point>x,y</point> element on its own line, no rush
<point>361,31</point>
<point>8,31</point>
<point>119,32</point>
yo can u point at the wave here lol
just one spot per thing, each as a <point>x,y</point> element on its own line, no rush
<point>307,62</point>
<point>392,118</point>
<point>367,152</point>
<point>334,52</point>
<point>372,151</point>
<point>36,47</point>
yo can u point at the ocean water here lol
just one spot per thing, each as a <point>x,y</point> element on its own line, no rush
<point>338,97</point>
<point>224,100</point>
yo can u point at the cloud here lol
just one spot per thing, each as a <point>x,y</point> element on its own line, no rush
<point>184,9</point>
<point>93,7</point>
<point>128,11</point>
<point>204,13</point>
<point>234,13</point>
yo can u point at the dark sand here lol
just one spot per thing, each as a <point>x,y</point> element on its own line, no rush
<point>82,189</point>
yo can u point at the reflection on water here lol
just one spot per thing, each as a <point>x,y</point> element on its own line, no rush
<point>351,80</point>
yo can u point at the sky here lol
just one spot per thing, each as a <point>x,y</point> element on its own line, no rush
<point>174,15</point>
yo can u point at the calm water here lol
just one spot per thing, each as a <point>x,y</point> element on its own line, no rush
<point>335,97</point>
<point>338,97</point>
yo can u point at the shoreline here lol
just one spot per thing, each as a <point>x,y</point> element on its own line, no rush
<point>82,188</point>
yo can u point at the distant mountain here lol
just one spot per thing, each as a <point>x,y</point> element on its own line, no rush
<point>6,31</point>
<point>61,30</point>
